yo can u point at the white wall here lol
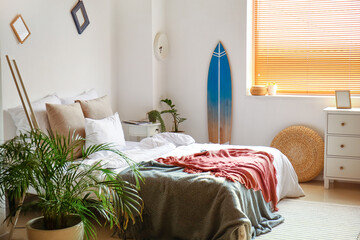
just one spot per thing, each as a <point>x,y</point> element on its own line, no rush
<point>194,28</point>
<point>134,58</point>
<point>55,58</point>
<point>159,67</point>
<point>141,77</point>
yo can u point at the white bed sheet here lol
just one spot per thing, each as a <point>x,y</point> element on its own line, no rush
<point>130,145</point>
<point>137,152</point>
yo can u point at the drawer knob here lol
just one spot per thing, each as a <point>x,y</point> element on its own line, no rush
<point>342,124</point>
<point>341,168</point>
<point>342,145</point>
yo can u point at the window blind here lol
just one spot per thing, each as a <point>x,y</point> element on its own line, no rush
<point>307,46</point>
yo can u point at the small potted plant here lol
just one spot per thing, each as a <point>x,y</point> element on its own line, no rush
<point>69,191</point>
<point>154,116</point>
<point>272,87</point>
<point>175,115</point>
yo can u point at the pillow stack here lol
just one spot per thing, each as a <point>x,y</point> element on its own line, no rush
<point>93,119</point>
<point>86,114</point>
<point>39,107</point>
<point>65,117</point>
<point>101,125</point>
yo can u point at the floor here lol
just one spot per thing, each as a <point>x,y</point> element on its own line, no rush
<point>340,193</point>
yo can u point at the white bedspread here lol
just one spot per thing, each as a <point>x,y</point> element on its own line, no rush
<point>152,148</point>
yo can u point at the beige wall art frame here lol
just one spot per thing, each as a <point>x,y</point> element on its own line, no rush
<point>343,100</point>
<point>20,28</point>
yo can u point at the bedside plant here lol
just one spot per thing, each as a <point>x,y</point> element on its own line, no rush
<point>173,111</point>
<point>154,116</point>
<point>66,187</point>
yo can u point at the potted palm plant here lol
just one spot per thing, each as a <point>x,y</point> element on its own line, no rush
<point>173,112</point>
<point>70,192</point>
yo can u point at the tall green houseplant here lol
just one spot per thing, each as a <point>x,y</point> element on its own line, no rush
<point>65,186</point>
<point>174,113</point>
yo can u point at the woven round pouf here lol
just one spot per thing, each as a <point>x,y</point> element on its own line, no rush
<point>304,148</point>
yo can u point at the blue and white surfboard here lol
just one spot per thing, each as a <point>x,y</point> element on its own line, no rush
<point>219,97</point>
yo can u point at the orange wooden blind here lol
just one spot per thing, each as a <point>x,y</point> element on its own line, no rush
<point>307,46</point>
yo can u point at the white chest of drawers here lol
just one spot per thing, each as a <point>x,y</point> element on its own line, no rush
<point>342,145</point>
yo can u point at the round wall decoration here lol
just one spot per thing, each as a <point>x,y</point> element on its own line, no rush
<point>304,148</point>
<point>161,46</point>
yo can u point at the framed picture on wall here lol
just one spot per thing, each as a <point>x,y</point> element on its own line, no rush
<point>20,28</point>
<point>343,100</point>
<point>80,17</point>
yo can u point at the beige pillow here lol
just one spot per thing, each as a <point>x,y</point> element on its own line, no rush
<point>66,117</point>
<point>98,108</point>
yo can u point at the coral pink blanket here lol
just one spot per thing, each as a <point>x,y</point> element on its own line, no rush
<point>253,169</point>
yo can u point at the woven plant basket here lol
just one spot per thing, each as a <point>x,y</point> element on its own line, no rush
<point>304,148</point>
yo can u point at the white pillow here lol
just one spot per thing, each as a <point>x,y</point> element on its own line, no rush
<point>87,95</point>
<point>39,108</point>
<point>106,130</point>
<point>179,139</point>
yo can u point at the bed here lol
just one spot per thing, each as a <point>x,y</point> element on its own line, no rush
<point>177,205</point>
